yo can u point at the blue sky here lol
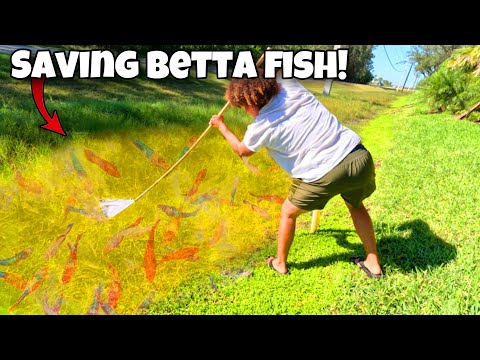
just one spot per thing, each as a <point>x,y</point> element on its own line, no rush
<point>397,73</point>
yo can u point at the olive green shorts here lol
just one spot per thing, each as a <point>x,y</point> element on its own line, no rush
<point>353,178</point>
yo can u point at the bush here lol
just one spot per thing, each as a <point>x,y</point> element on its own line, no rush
<point>450,90</point>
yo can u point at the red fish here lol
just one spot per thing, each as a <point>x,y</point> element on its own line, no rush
<point>198,180</point>
<point>171,231</point>
<point>272,198</point>
<point>115,288</point>
<point>29,185</point>
<point>149,260</point>
<point>14,280</point>
<point>188,252</point>
<point>32,285</point>
<point>263,213</point>
<point>71,266</point>
<point>53,249</point>
<point>105,165</point>
<point>131,231</point>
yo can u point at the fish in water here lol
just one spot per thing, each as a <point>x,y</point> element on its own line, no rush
<point>198,180</point>
<point>31,286</point>
<point>77,165</point>
<point>263,213</point>
<point>14,280</point>
<point>71,266</point>
<point>108,309</point>
<point>115,288</point>
<point>271,198</point>
<point>188,252</point>
<point>52,310</point>
<point>29,185</point>
<point>217,235</point>
<point>170,231</point>
<point>149,260</point>
<point>53,248</point>
<point>103,164</point>
<point>205,197</point>
<point>96,301</point>
<point>146,302</point>
<point>236,180</point>
<point>176,213</point>
<point>151,154</point>
<point>250,166</point>
<point>17,258</point>
<point>187,147</point>
<point>131,231</point>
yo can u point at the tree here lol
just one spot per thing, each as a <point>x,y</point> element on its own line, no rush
<point>429,57</point>
<point>360,63</point>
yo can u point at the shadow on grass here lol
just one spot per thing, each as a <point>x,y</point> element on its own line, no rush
<point>404,248</point>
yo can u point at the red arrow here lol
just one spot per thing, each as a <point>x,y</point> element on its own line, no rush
<point>53,123</point>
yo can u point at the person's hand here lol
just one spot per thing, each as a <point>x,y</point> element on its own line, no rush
<point>217,121</point>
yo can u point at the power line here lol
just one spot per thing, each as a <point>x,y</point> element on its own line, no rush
<point>384,48</point>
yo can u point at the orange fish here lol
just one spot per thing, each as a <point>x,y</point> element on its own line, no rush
<point>198,180</point>
<point>115,288</point>
<point>188,252</point>
<point>171,231</point>
<point>14,280</point>
<point>131,231</point>
<point>219,231</point>
<point>149,261</point>
<point>29,185</point>
<point>71,266</point>
<point>105,165</point>
<point>263,213</point>
<point>53,249</point>
<point>272,198</point>
<point>31,286</point>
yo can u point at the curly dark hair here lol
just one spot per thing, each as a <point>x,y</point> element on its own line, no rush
<point>255,92</point>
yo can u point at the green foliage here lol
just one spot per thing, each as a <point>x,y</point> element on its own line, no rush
<point>450,89</point>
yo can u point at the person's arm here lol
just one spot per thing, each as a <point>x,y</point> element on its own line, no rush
<point>238,146</point>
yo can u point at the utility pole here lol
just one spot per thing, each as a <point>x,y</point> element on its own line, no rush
<point>329,82</point>
<point>403,87</point>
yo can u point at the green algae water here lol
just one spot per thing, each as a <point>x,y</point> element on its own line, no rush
<point>61,255</point>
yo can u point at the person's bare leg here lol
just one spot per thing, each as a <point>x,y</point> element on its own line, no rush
<point>364,227</point>
<point>286,233</point>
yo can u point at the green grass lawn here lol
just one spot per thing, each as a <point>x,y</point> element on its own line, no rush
<point>425,217</point>
<point>423,210</point>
